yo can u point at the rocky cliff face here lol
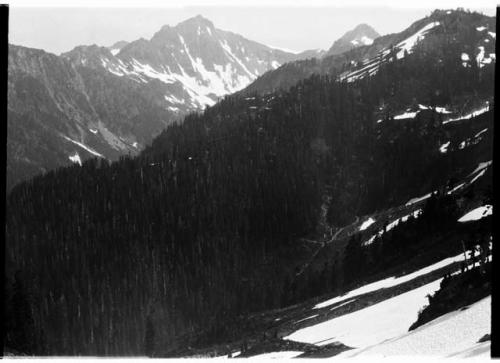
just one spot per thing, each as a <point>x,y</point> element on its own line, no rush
<point>59,113</point>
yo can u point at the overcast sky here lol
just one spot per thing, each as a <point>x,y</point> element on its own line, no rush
<point>57,29</point>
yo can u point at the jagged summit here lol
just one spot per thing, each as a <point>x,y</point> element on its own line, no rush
<point>196,20</point>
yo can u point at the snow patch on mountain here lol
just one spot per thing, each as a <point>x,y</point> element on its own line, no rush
<point>391,281</point>
<point>444,148</point>
<point>418,199</point>
<point>287,354</point>
<point>477,213</point>
<point>405,115</point>
<point>481,166</point>
<point>474,113</point>
<point>75,158</point>
<point>455,334</point>
<point>392,225</point>
<point>387,319</point>
<point>366,41</point>
<point>409,43</point>
<point>403,219</point>
<point>93,152</point>
<point>308,318</point>
<point>366,224</point>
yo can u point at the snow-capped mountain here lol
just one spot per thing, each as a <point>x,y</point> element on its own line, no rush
<point>363,34</point>
<point>97,101</point>
<point>194,62</point>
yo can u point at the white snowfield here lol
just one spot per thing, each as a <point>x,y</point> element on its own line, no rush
<point>454,335</point>
<point>372,325</point>
<point>366,224</point>
<point>406,115</point>
<point>444,148</point>
<point>418,199</point>
<point>366,40</point>
<point>480,132</point>
<point>394,223</point>
<point>441,110</point>
<point>456,188</point>
<point>308,318</point>
<point>470,115</point>
<point>390,281</point>
<point>413,114</point>
<point>481,166</point>
<point>75,158</point>
<point>477,214</point>
<point>277,355</point>
<point>85,147</point>
<point>416,213</point>
<point>410,42</point>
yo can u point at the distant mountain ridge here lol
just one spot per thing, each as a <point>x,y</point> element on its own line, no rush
<point>472,34</point>
<point>111,101</point>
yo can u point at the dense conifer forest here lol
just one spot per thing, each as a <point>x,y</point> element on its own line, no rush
<point>122,258</point>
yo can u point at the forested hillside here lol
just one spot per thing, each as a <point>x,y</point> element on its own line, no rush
<point>203,226</point>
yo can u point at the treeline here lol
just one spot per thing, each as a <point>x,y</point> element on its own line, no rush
<point>122,258</point>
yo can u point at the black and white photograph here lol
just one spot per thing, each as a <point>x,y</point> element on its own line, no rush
<point>249,179</point>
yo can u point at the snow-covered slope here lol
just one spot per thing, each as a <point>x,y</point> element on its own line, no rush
<point>455,334</point>
<point>381,329</point>
<point>194,62</point>
<point>387,319</point>
<point>390,282</point>
<point>370,66</point>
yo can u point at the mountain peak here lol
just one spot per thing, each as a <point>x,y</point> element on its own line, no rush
<point>197,20</point>
<point>362,34</point>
